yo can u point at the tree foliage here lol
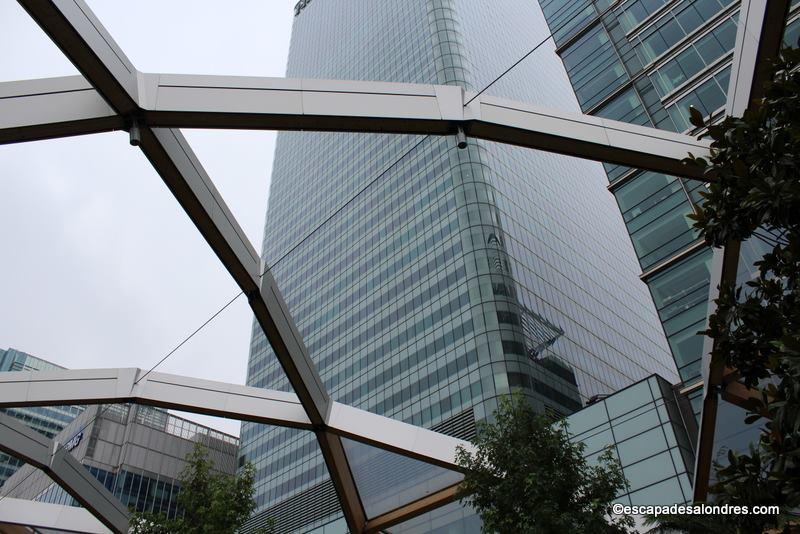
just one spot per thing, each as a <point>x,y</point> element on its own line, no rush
<point>754,193</point>
<point>209,502</point>
<point>525,476</point>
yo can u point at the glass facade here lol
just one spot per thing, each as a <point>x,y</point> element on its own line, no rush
<point>137,491</point>
<point>646,62</point>
<point>651,430</point>
<point>47,420</point>
<point>136,452</point>
<point>450,276</point>
<point>649,62</point>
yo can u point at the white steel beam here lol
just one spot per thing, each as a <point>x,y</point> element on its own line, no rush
<point>176,163</point>
<point>334,105</point>
<point>236,102</point>
<point>411,510</point>
<point>75,29</point>
<point>759,36</point>
<point>80,35</point>
<point>96,386</point>
<point>246,403</point>
<point>23,442</point>
<point>53,107</point>
<point>395,436</point>
<point>47,517</point>
<point>335,457</point>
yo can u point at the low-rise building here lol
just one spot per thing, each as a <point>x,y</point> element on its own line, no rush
<point>137,452</point>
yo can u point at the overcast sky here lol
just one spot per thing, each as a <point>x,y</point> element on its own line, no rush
<point>99,266</point>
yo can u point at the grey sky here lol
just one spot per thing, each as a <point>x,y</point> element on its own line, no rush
<point>100,267</point>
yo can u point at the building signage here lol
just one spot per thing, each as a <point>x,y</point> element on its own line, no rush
<point>74,441</point>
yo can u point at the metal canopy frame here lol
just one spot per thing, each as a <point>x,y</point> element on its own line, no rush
<point>21,515</point>
<point>20,440</point>
<point>112,95</point>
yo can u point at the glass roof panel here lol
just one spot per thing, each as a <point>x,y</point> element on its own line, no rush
<point>450,518</point>
<point>387,481</point>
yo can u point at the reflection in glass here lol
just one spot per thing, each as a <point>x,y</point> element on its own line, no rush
<point>387,481</point>
<point>453,518</point>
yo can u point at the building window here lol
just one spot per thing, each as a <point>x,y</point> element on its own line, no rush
<point>676,24</point>
<point>594,67</point>
<point>699,55</point>
<point>654,207</point>
<point>681,298</point>
<point>634,12</point>
<point>707,98</point>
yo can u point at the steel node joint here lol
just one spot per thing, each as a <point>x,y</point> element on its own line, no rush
<point>135,134</point>
<point>461,137</point>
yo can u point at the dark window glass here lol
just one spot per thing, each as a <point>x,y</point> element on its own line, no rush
<point>655,209</point>
<point>594,67</point>
<point>627,108</point>
<point>681,298</point>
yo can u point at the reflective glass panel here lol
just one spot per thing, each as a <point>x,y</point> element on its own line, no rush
<point>387,481</point>
<point>453,518</point>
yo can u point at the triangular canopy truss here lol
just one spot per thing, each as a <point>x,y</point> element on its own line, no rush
<point>111,95</point>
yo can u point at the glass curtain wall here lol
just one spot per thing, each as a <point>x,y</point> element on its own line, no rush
<point>436,279</point>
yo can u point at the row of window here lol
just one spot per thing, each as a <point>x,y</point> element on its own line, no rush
<point>697,56</point>
<point>673,26</point>
<point>655,208</point>
<point>139,492</point>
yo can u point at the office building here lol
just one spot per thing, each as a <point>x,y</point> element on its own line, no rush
<point>649,427</point>
<point>646,62</point>
<point>136,452</point>
<point>47,420</point>
<point>436,278</point>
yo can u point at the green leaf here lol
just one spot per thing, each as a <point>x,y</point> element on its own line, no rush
<point>695,117</point>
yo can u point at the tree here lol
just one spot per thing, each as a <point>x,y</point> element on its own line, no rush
<point>754,193</point>
<point>526,476</point>
<point>209,502</point>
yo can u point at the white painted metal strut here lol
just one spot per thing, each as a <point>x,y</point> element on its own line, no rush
<point>235,102</point>
<point>23,442</point>
<point>95,386</point>
<point>46,517</point>
<point>221,399</point>
<point>55,107</point>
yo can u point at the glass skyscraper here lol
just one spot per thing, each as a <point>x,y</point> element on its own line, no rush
<point>437,278</point>
<point>645,62</point>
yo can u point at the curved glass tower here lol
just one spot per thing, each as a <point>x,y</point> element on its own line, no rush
<point>436,278</point>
